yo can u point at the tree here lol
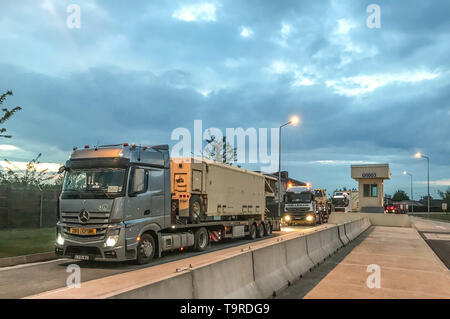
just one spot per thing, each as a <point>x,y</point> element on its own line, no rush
<point>400,195</point>
<point>6,113</point>
<point>445,195</point>
<point>220,151</point>
<point>31,176</point>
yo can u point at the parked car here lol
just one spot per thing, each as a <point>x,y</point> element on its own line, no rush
<point>396,208</point>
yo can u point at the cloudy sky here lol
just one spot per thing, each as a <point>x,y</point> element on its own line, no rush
<point>136,70</point>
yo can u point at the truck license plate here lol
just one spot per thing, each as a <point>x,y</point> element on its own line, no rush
<point>83,231</point>
<point>81,257</point>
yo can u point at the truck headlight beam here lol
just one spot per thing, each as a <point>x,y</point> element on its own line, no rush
<point>111,241</point>
<point>309,218</point>
<point>60,240</point>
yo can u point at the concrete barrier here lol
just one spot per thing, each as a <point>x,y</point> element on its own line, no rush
<point>330,240</point>
<point>270,269</point>
<point>366,223</point>
<point>298,261</point>
<point>342,236</point>
<point>231,278</point>
<point>176,287</point>
<point>350,230</point>
<point>394,220</point>
<point>314,246</point>
<point>354,228</point>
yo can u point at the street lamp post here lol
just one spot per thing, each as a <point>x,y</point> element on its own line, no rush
<point>420,155</point>
<point>412,195</point>
<point>293,121</point>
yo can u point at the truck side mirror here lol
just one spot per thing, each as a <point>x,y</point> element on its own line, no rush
<point>62,169</point>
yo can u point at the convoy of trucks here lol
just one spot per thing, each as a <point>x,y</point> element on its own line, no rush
<point>128,202</point>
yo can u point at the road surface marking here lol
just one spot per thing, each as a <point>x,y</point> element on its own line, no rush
<point>435,236</point>
<point>33,264</point>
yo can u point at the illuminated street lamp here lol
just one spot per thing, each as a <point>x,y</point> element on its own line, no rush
<point>412,196</point>
<point>293,121</point>
<point>420,155</point>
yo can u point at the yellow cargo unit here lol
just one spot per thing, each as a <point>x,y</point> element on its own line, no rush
<point>208,190</point>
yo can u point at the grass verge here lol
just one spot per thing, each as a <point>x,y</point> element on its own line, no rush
<point>17,242</point>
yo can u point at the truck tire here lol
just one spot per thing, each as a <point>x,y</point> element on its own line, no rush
<point>145,250</point>
<point>260,230</point>
<point>196,211</point>
<point>319,218</point>
<point>267,229</point>
<point>201,239</point>
<point>251,232</point>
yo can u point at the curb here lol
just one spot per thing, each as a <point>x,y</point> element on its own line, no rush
<point>17,260</point>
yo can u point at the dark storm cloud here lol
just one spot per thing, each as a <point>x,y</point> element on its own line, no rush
<point>134,72</point>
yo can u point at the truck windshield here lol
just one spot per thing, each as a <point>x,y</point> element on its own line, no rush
<point>299,197</point>
<point>105,180</point>
<point>339,202</point>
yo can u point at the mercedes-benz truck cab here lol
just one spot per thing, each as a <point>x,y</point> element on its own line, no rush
<point>106,202</point>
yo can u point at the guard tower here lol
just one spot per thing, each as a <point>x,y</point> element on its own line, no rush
<point>370,179</point>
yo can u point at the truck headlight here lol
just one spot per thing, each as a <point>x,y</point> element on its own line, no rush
<point>309,218</point>
<point>287,218</point>
<point>60,240</point>
<point>111,241</point>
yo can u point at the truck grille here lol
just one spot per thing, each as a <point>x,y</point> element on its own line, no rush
<point>297,209</point>
<point>97,220</point>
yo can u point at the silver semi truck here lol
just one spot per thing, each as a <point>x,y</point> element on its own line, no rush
<point>128,202</point>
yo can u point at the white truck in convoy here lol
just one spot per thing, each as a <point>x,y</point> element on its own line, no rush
<point>341,202</point>
<point>301,207</point>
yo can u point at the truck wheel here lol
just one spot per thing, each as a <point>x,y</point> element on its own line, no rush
<point>260,230</point>
<point>251,232</point>
<point>196,212</point>
<point>201,239</point>
<point>267,229</point>
<point>145,249</point>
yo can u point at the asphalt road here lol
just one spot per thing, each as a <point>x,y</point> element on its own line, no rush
<point>437,235</point>
<point>30,279</point>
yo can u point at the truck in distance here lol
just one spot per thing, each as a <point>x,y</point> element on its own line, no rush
<point>128,202</point>
<point>323,205</point>
<point>300,206</point>
<point>341,201</point>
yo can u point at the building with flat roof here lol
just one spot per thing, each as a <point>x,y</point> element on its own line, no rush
<point>370,179</point>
